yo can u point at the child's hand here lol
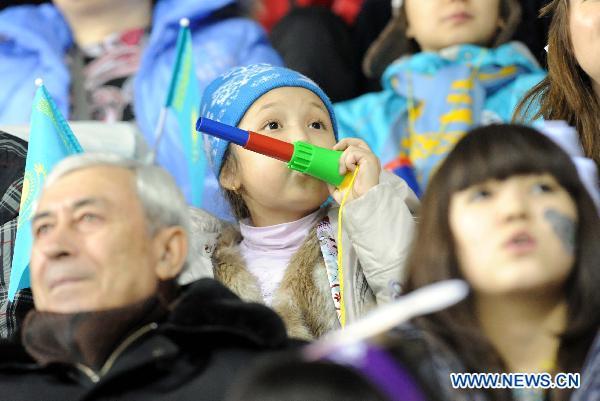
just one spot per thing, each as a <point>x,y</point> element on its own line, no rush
<point>356,152</point>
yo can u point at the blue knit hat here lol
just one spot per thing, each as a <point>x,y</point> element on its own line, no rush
<point>229,96</point>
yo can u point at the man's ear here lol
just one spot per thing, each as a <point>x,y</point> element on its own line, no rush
<point>171,245</point>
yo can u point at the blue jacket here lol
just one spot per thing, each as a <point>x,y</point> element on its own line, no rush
<point>35,39</point>
<point>450,92</point>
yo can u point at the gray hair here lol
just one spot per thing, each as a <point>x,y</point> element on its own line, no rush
<point>163,203</point>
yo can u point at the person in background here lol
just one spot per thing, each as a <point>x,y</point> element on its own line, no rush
<point>284,252</point>
<point>318,43</point>
<point>507,212</point>
<point>13,151</point>
<point>571,91</point>
<point>446,66</point>
<point>270,12</point>
<point>289,378</point>
<point>110,238</point>
<point>375,14</point>
<point>112,60</point>
<point>315,41</point>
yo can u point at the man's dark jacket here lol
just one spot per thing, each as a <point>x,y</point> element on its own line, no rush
<point>194,354</point>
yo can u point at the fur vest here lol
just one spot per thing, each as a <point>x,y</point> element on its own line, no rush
<point>303,299</point>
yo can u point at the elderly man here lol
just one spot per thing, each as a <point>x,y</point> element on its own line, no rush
<point>110,239</point>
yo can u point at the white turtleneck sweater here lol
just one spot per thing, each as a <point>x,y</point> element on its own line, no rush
<point>268,250</point>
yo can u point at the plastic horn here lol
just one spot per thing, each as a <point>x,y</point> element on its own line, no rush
<point>301,156</point>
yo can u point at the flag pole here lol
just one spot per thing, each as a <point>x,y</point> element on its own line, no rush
<point>162,118</point>
<point>158,133</point>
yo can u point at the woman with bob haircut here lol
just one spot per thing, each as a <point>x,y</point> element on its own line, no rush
<point>507,212</point>
<point>571,91</point>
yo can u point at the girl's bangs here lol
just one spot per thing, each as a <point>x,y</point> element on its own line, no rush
<point>501,151</point>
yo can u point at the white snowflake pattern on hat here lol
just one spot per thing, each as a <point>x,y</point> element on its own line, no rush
<point>265,79</point>
<point>234,81</point>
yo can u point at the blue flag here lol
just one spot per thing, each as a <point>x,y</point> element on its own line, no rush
<point>184,99</point>
<point>50,140</point>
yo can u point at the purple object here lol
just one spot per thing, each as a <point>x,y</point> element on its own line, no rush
<point>386,373</point>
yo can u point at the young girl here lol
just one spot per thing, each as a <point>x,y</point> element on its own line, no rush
<point>571,92</point>
<point>284,251</point>
<point>448,68</point>
<point>507,212</point>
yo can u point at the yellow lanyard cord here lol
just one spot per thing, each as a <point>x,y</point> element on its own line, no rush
<point>340,249</point>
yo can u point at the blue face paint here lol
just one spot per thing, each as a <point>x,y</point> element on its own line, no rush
<point>564,227</point>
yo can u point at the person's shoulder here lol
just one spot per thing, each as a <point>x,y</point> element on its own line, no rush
<point>204,221</point>
<point>208,314</point>
<point>208,230</point>
<point>590,375</point>
<point>369,115</point>
<point>204,16</point>
<point>44,18</point>
<point>517,53</point>
<point>15,358</point>
<point>12,351</point>
<point>217,336</point>
<point>28,10</point>
<point>22,379</point>
<point>420,344</point>
<point>234,30</point>
<point>526,81</point>
<point>427,356</point>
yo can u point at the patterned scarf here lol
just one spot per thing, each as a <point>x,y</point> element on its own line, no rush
<point>445,100</point>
